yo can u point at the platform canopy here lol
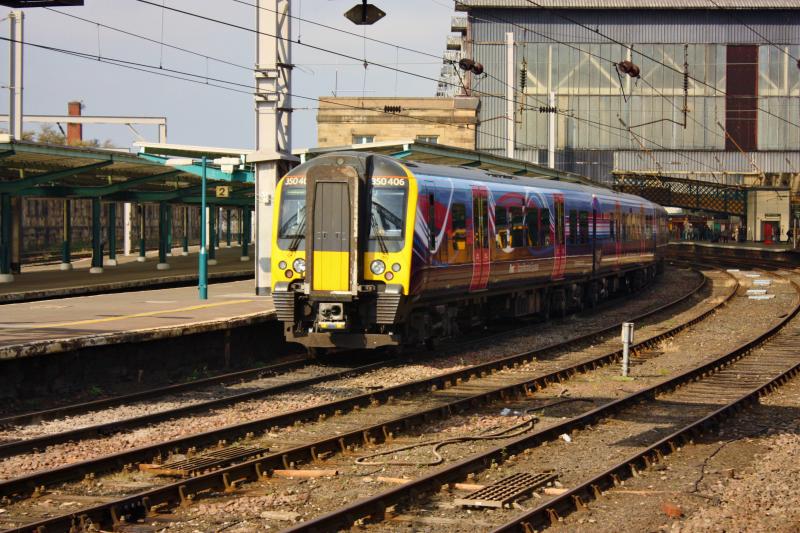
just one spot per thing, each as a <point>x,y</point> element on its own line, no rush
<point>439,154</point>
<point>53,171</point>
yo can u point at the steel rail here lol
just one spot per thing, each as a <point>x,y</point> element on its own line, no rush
<point>227,479</point>
<point>375,507</point>
<point>35,417</point>
<point>548,512</point>
<point>41,442</point>
<point>26,484</point>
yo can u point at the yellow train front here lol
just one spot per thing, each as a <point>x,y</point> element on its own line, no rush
<point>338,277</point>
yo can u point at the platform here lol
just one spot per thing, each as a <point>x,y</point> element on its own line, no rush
<point>38,282</point>
<point>781,253</point>
<point>69,324</point>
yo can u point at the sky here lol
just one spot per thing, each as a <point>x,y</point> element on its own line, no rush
<point>198,113</point>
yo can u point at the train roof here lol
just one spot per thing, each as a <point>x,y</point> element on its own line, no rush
<point>467,173</point>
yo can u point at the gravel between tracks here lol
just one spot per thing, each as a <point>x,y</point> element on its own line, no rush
<point>318,496</point>
<point>537,335</point>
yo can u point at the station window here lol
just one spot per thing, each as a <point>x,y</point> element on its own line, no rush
<point>363,139</point>
<point>432,139</point>
<point>573,227</point>
<point>583,227</point>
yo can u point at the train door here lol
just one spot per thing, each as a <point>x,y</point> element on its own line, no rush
<point>559,245</point>
<point>481,260</point>
<point>332,240</point>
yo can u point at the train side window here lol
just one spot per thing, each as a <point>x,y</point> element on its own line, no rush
<point>573,227</point>
<point>583,226</point>
<point>532,222</point>
<point>431,222</point>
<point>544,227</point>
<point>559,237</point>
<point>459,213</point>
<point>517,226</point>
<point>611,233</point>
<point>501,226</point>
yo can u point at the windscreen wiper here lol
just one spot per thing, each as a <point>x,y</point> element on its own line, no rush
<point>378,235</point>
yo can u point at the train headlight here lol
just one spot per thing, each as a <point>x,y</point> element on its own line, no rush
<point>377,267</point>
<point>396,267</point>
<point>389,276</point>
<point>282,265</point>
<point>299,265</point>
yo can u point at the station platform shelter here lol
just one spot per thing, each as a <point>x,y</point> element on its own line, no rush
<point>121,188</point>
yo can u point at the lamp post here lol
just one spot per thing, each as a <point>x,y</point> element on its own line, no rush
<point>202,261</point>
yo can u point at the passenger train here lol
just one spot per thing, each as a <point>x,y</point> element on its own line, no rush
<point>371,251</point>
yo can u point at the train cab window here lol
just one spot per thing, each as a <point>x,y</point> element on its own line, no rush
<point>459,213</point>
<point>292,219</point>
<point>573,227</point>
<point>532,223</point>
<point>517,226</point>
<point>501,226</point>
<point>583,227</point>
<point>387,219</point>
<point>544,227</point>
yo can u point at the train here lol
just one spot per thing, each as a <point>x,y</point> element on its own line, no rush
<point>371,251</point>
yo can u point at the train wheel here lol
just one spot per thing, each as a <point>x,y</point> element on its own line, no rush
<point>317,353</point>
<point>592,295</point>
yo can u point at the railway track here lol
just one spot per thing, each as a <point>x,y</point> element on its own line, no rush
<point>135,506</point>
<point>694,400</point>
<point>35,417</point>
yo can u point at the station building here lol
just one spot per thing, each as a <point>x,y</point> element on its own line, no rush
<point>451,121</point>
<point>717,98</point>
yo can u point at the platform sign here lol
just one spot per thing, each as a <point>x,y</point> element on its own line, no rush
<point>223,191</point>
<point>364,14</point>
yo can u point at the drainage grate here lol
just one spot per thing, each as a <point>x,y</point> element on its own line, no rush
<point>507,490</point>
<point>203,463</point>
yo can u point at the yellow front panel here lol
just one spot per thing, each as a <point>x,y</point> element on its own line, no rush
<point>331,271</point>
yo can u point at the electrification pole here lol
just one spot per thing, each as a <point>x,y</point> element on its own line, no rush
<point>16,19</point>
<point>273,122</point>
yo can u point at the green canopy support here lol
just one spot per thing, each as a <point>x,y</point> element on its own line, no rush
<point>169,230</point>
<point>245,234</point>
<point>212,234</point>
<point>31,181</point>
<point>142,234</point>
<point>185,230</point>
<point>5,239</point>
<point>112,234</point>
<point>163,222</point>
<point>66,241</point>
<point>239,233</point>
<point>97,242</point>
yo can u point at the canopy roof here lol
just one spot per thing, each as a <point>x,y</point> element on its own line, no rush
<point>54,171</point>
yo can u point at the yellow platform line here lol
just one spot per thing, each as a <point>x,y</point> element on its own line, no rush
<point>136,315</point>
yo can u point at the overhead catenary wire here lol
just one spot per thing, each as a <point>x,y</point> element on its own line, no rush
<point>630,47</point>
<point>201,79</point>
<point>330,51</point>
<point>746,25</point>
<point>598,124</point>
